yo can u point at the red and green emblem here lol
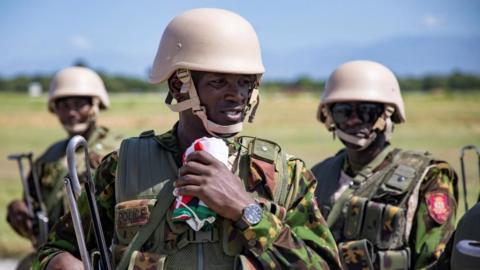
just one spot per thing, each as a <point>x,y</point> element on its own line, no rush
<point>438,206</point>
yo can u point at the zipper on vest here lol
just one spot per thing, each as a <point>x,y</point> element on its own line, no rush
<point>200,256</point>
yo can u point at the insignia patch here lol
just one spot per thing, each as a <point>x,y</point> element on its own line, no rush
<point>132,213</point>
<point>438,204</point>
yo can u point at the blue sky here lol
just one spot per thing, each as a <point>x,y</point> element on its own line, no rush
<point>121,36</point>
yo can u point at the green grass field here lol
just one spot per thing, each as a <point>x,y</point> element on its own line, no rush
<point>440,122</point>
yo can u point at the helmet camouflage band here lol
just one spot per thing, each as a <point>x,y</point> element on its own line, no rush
<point>209,40</point>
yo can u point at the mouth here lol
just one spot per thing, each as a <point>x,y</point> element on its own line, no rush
<point>233,115</point>
<point>70,121</point>
<point>358,132</point>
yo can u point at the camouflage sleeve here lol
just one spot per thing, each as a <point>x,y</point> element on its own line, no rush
<point>301,240</point>
<point>62,236</point>
<point>436,214</point>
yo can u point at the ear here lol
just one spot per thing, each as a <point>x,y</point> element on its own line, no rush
<point>174,86</point>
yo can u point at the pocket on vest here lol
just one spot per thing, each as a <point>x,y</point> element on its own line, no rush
<point>130,216</point>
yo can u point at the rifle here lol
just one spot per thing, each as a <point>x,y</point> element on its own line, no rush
<point>39,214</point>
<point>73,187</point>
<point>462,165</point>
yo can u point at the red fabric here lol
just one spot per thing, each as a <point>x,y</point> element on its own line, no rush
<point>262,171</point>
<point>438,206</point>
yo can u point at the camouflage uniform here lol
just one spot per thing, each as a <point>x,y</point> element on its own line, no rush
<point>430,227</point>
<point>52,167</point>
<point>292,237</point>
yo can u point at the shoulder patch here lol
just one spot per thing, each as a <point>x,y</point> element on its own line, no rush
<point>438,204</point>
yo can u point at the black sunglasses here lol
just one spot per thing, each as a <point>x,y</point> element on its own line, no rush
<point>368,112</point>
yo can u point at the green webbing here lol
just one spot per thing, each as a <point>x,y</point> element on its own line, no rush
<point>394,259</point>
<point>358,254</point>
<point>359,178</point>
<point>158,212</point>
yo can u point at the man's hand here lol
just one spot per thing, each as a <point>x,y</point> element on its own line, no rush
<point>208,179</point>
<point>19,218</point>
<point>65,261</point>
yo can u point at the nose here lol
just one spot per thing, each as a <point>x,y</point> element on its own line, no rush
<point>353,119</point>
<point>236,93</point>
<point>70,109</point>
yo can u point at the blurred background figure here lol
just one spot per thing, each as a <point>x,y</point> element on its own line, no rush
<point>387,208</point>
<point>76,96</point>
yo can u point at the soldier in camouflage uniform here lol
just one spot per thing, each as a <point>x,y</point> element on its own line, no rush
<point>267,217</point>
<point>76,95</point>
<point>387,208</point>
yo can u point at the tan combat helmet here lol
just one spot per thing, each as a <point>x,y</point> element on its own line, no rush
<point>211,40</point>
<point>79,81</point>
<point>363,81</point>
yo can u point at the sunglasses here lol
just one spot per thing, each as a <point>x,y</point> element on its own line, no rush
<point>367,112</point>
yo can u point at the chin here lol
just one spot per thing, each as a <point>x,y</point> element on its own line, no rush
<point>352,146</point>
<point>225,136</point>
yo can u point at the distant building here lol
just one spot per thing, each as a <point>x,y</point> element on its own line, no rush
<point>35,89</point>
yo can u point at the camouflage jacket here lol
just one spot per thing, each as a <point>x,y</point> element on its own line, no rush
<point>431,228</point>
<point>51,168</point>
<point>301,240</point>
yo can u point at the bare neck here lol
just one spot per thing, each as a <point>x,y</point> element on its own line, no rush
<point>359,159</point>
<point>188,131</point>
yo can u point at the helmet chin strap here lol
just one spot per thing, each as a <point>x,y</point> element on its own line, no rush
<point>383,124</point>
<point>78,128</point>
<point>363,143</point>
<point>214,129</point>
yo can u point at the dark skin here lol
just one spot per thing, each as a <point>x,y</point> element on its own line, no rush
<point>203,176</point>
<point>357,159</point>
<point>19,219</point>
<point>224,97</point>
<point>69,110</point>
<point>75,110</point>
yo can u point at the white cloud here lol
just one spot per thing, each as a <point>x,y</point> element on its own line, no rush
<point>79,42</point>
<point>431,21</point>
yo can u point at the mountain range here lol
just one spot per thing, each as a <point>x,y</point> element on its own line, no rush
<point>406,56</point>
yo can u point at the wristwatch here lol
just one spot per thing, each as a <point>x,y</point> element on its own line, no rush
<point>251,215</point>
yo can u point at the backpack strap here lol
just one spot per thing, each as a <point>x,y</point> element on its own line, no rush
<point>142,164</point>
<point>145,168</point>
<point>158,213</point>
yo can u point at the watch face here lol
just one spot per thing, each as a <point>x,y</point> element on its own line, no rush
<point>253,214</point>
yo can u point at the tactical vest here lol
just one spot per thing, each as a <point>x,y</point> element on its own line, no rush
<point>145,174</point>
<point>372,219</point>
<point>51,166</point>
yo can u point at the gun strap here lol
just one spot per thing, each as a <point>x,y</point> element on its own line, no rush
<point>358,180</point>
<point>164,200</point>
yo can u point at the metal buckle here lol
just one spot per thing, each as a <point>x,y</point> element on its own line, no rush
<point>203,236</point>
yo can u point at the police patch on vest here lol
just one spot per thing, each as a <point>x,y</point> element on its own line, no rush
<point>438,204</point>
<point>132,213</point>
